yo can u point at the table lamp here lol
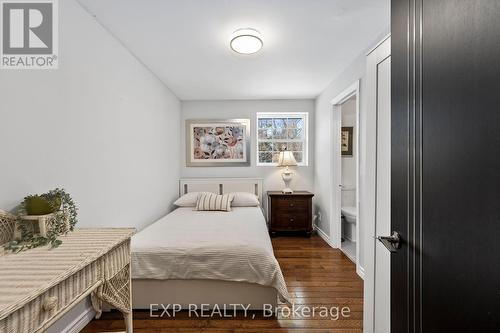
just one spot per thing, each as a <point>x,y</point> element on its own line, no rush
<point>286,159</point>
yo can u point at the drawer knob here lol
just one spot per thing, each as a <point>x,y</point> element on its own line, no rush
<point>291,220</point>
<point>291,205</point>
<point>50,303</point>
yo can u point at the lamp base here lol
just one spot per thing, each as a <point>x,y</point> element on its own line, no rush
<point>287,178</point>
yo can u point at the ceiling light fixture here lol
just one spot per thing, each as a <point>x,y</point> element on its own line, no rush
<point>246,41</point>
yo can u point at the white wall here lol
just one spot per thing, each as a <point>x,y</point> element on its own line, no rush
<point>101,126</point>
<point>324,148</point>
<point>230,109</point>
<point>323,142</point>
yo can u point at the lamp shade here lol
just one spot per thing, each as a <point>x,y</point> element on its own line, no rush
<point>286,158</point>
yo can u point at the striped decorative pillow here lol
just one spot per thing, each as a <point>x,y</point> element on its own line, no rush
<point>212,201</point>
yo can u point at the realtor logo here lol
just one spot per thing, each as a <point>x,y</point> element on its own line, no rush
<point>29,34</point>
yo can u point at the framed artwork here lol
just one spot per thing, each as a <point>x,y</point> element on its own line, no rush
<point>212,143</point>
<point>346,141</point>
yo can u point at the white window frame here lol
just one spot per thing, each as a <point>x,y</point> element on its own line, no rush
<point>305,145</point>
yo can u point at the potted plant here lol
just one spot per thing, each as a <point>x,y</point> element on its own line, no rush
<point>41,204</point>
<point>42,218</point>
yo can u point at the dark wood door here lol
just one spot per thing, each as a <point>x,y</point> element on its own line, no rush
<point>446,165</point>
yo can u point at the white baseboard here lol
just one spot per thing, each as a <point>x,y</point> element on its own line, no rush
<point>361,272</point>
<point>75,319</point>
<point>80,322</point>
<point>324,236</point>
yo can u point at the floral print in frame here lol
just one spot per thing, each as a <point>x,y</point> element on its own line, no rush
<point>217,142</point>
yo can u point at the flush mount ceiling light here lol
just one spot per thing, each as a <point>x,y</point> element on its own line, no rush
<point>246,41</point>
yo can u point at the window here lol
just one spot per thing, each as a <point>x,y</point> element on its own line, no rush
<point>277,131</point>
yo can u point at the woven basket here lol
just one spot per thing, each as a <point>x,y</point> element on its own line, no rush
<point>42,224</point>
<point>7,227</point>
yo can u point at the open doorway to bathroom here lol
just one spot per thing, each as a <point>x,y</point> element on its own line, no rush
<point>344,228</point>
<point>348,202</point>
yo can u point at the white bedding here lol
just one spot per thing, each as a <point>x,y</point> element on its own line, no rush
<point>188,244</point>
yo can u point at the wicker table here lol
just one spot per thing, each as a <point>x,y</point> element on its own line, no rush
<point>39,286</point>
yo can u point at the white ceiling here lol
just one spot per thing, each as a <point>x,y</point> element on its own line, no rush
<point>186,42</point>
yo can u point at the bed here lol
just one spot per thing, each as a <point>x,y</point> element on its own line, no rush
<point>215,258</point>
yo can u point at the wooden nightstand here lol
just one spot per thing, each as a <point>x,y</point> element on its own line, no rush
<point>290,212</point>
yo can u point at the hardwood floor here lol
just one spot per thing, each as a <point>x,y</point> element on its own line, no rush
<point>316,275</point>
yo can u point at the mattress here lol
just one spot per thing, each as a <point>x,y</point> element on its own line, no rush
<point>227,246</point>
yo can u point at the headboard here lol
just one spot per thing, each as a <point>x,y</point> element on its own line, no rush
<point>221,185</point>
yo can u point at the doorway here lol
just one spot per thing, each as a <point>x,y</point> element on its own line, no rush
<point>348,203</point>
<point>344,226</point>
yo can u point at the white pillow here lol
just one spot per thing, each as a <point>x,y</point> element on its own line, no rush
<point>188,199</point>
<point>245,199</point>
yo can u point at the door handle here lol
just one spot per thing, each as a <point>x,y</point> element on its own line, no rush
<point>392,242</point>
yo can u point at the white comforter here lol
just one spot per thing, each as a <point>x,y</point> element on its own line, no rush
<point>229,246</point>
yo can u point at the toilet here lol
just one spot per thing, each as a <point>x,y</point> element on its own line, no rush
<point>349,214</point>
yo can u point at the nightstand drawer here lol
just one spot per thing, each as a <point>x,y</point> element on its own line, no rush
<point>291,221</point>
<point>292,204</point>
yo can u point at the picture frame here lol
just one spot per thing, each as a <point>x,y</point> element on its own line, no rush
<point>217,142</point>
<point>346,141</point>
